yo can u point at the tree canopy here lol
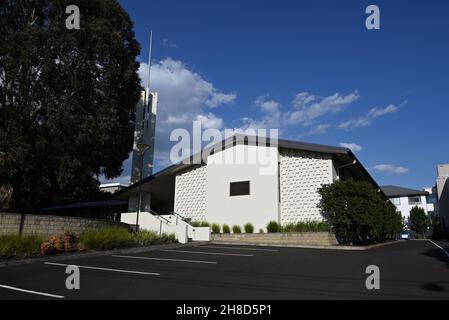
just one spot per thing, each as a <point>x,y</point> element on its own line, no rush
<point>419,221</point>
<point>67,99</point>
<point>358,213</point>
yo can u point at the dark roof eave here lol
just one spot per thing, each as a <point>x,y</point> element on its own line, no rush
<point>396,192</point>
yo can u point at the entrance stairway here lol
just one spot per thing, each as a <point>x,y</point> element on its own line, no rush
<point>170,223</point>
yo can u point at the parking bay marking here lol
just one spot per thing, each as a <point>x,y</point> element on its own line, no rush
<point>105,269</point>
<point>440,247</point>
<point>210,253</point>
<point>32,292</point>
<point>236,248</point>
<point>161,259</point>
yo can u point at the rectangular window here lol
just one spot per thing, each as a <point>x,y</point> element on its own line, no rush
<point>414,200</point>
<point>239,189</point>
<point>396,201</point>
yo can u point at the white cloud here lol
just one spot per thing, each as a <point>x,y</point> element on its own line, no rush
<point>268,106</point>
<point>184,97</point>
<point>368,119</point>
<point>319,129</point>
<point>353,146</point>
<point>378,112</point>
<point>389,168</point>
<point>218,99</point>
<point>304,110</point>
<point>210,121</point>
<point>309,107</point>
<point>168,44</point>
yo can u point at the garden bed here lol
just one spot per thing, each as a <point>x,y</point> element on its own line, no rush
<point>29,246</point>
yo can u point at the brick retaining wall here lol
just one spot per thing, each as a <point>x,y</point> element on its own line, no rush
<point>48,225</point>
<point>305,238</point>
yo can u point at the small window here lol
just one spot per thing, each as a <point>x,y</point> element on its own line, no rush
<point>239,189</point>
<point>414,200</point>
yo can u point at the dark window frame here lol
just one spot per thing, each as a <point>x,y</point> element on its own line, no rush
<point>241,188</point>
<point>411,203</point>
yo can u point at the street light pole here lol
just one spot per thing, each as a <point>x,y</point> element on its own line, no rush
<point>143,148</point>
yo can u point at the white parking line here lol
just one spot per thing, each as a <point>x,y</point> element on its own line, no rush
<point>160,259</point>
<point>211,253</point>
<point>237,248</point>
<point>105,269</point>
<point>32,292</point>
<point>436,245</point>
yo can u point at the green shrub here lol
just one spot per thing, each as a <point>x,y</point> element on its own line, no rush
<point>236,229</point>
<point>312,226</point>
<point>249,228</point>
<point>19,246</point>
<point>215,228</point>
<point>358,213</point>
<point>146,238</point>
<point>226,229</point>
<point>273,227</point>
<point>168,237</point>
<point>261,231</point>
<point>204,224</point>
<point>195,224</point>
<point>107,239</point>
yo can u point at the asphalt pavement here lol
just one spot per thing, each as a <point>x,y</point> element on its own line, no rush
<point>407,270</point>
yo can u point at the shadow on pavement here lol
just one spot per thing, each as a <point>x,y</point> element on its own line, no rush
<point>432,286</point>
<point>437,254</point>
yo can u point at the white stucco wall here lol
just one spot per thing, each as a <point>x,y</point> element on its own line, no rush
<point>190,193</point>
<point>405,208</point>
<point>202,193</point>
<point>301,175</point>
<point>258,208</point>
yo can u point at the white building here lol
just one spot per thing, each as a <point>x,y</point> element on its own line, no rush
<point>112,187</point>
<point>405,199</point>
<point>281,186</point>
<point>442,190</point>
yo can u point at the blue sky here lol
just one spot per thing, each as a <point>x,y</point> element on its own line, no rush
<point>310,68</point>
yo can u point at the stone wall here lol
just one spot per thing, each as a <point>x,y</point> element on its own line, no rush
<point>48,225</point>
<point>286,239</point>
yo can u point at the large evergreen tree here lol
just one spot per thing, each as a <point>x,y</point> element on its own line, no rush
<point>419,221</point>
<point>66,99</point>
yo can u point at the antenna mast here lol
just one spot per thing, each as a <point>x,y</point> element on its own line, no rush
<point>149,60</point>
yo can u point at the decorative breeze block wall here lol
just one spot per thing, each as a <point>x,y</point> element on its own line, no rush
<point>190,193</point>
<point>302,173</point>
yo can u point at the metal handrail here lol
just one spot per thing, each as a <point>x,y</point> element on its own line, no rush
<point>154,213</point>
<point>186,220</point>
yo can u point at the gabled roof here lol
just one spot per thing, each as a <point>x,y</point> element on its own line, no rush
<point>396,191</point>
<point>344,155</point>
